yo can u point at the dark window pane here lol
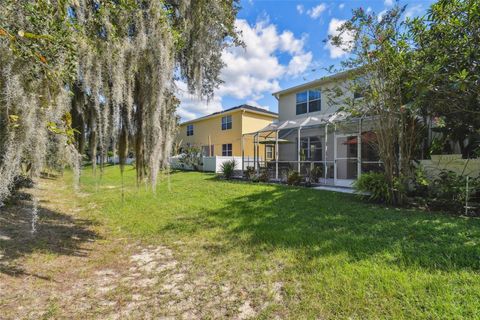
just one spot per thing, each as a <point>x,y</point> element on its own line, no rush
<point>302,108</point>
<point>227,150</point>
<point>313,95</point>
<point>357,94</point>
<point>190,130</point>
<point>316,150</point>
<point>315,106</point>
<point>302,97</point>
<point>226,122</point>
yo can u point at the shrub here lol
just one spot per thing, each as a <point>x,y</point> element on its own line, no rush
<point>293,178</point>
<point>227,168</point>
<point>449,191</point>
<point>313,175</point>
<point>249,173</point>
<point>191,157</point>
<point>374,184</point>
<point>263,176</point>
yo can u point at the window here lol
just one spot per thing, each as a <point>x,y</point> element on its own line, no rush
<point>302,102</point>
<point>357,94</point>
<point>311,149</point>
<point>226,122</point>
<point>227,150</point>
<point>308,101</point>
<point>269,151</point>
<point>190,130</point>
<point>360,87</point>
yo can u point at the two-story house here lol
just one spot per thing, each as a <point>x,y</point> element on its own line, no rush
<point>220,133</point>
<point>313,135</point>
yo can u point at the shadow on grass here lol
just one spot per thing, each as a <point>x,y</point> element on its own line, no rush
<point>56,233</point>
<point>322,223</point>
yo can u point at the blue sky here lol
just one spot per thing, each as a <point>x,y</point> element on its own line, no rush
<point>284,47</point>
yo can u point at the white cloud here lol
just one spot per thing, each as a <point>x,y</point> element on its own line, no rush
<point>191,107</point>
<point>369,9</point>
<point>299,63</point>
<point>256,104</point>
<point>341,6</point>
<point>315,12</point>
<point>388,3</point>
<point>381,14</point>
<point>347,39</point>
<point>300,8</point>
<point>254,70</point>
<point>413,11</point>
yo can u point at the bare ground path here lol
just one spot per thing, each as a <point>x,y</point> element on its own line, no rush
<point>74,268</point>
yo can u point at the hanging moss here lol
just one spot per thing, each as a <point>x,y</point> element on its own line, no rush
<point>111,67</point>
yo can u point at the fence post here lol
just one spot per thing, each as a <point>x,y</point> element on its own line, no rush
<point>466,197</point>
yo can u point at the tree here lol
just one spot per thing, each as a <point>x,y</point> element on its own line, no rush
<point>37,58</point>
<point>447,56</point>
<point>380,55</point>
<point>101,75</point>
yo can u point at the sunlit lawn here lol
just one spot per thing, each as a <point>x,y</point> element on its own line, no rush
<point>336,256</point>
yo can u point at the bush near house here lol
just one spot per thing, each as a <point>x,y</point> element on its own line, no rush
<point>227,168</point>
<point>374,184</point>
<point>446,192</point>
<point>191,157</point>
<point>294,178</point>
<point>449,191</point>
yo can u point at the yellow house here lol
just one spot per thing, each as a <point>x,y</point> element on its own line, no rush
<point>220,133</point>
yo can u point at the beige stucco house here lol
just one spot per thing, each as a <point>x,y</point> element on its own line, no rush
<point>220,133</point>
<point>313,134</point>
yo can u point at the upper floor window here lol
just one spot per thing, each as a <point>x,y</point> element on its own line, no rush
<point>190,130</point>
<point>226,122</point>
<point>360,87</point>
<point>309,101</point>
<point>358,94</point>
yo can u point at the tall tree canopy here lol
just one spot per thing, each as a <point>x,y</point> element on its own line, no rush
<point>99,75</point>
<point>380,53</point>
<point>447,65</point>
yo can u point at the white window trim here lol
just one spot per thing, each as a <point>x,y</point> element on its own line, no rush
<point>308,101</point>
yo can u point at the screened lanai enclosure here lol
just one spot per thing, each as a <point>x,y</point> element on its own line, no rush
<point>327,150</point>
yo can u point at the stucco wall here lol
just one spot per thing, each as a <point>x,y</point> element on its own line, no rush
<point>467,167</point>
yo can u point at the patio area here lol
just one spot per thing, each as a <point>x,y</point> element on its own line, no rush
<point>327,150</point>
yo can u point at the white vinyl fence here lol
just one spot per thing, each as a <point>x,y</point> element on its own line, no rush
<point>209,164</point>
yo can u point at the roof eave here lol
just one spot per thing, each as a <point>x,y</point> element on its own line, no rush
<point>322,80</point>
<point>273,115</point>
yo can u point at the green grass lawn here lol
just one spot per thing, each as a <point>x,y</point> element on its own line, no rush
<point>336,257</point>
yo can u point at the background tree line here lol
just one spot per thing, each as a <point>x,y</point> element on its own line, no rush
<point>415,74</point>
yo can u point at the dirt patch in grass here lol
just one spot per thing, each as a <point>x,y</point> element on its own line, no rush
<point>74,268</point>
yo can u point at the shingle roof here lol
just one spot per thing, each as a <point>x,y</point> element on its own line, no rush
<point>243,106</point>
